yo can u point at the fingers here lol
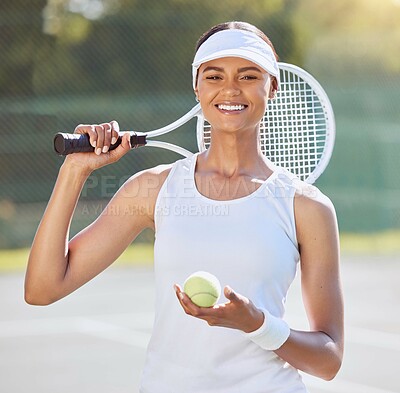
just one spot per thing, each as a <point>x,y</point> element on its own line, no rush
<point>193,309</point>
<point>184,299</point>
<point>122,149</point>
<point>231,295</point>
<point>237,313</point>
<point>209,314</point>
<point>89,130</point>
<point>101,136</point>
<point>114,131</point>
<point>189,307</point>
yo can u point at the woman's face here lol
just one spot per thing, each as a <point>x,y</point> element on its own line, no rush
<point>233,93</point>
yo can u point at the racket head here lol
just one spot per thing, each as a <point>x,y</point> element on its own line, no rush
<point>298,128</point>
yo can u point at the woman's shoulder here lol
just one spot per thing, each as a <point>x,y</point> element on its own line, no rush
<point>310,197</point>
<point>148,181</point>
<point>312,206</point>
<point>305,193</point>
<point>309,200</point>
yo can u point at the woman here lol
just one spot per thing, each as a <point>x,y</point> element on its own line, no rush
<point>228,211</point>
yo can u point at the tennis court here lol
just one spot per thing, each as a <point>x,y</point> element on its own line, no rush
<point>90,61</point>
<point>95,339</point>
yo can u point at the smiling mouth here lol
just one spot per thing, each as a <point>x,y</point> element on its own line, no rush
<point>231,108</point>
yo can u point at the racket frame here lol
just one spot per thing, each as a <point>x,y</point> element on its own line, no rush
<point>197,112</point>
<point>328,115</point>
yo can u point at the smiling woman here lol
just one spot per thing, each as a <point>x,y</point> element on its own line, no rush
<point>262,223</point>
<point>235,71</point>
<point>237,87</point>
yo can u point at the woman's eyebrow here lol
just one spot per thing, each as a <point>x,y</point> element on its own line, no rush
<point>243,69</point>
<point>212,68</point>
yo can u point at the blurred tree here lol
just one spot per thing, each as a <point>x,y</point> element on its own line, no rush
<point>20,38</point>
<point>146,46</point>
<point>89,60</point>
<point>351,38</point>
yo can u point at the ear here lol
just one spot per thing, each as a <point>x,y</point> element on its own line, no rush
<point>274,88</point>
<point>196,92</point>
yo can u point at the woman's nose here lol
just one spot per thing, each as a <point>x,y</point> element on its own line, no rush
<point>230,88</point>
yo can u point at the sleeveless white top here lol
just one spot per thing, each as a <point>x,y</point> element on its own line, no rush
<point>250,244</point>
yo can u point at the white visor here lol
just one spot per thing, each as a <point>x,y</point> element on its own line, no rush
<point>236,43</point>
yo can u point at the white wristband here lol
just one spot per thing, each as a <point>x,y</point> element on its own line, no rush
<point>272,334</point>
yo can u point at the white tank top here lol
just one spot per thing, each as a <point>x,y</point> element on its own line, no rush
<point>250,244</point>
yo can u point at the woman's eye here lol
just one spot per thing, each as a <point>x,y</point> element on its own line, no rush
<point>249,77</point>
<point>213,77</point>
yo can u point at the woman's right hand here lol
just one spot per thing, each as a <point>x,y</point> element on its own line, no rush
<point>101,137</point>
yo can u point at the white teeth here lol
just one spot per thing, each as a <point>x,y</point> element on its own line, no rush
<point>231,107</point>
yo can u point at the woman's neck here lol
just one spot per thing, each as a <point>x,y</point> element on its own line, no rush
<point>235,155</point>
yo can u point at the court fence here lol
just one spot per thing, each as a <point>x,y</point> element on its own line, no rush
<point>133,65</point>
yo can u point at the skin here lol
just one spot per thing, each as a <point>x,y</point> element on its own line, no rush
<point>231,168</point>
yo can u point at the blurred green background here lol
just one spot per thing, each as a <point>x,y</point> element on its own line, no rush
<point>66,62</point>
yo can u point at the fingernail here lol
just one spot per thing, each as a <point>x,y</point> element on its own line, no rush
<point>181,295</point>
<point>113,140</point>
<point>98,151</point>
<point>94,143</point>
<point>105,149</point>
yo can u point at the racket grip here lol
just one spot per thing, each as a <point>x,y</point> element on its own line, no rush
<point>65,144</point>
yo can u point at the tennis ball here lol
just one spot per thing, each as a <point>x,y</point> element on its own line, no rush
<point>203,289</point>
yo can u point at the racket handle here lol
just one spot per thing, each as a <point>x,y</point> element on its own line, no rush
<point>65,144</point>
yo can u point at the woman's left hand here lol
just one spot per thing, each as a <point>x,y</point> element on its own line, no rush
<point>237,313</point>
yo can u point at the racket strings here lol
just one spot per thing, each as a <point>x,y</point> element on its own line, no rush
<point>293,131</point>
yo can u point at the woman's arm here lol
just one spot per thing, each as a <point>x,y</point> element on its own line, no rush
<point>56,266</point>
<point>320,351</point>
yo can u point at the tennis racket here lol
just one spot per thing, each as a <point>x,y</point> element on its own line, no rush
<point>297,131</point>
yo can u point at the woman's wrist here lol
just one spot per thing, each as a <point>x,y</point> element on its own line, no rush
<point>71,168</point>
<point>256,322</point>
<point>272,334</point>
